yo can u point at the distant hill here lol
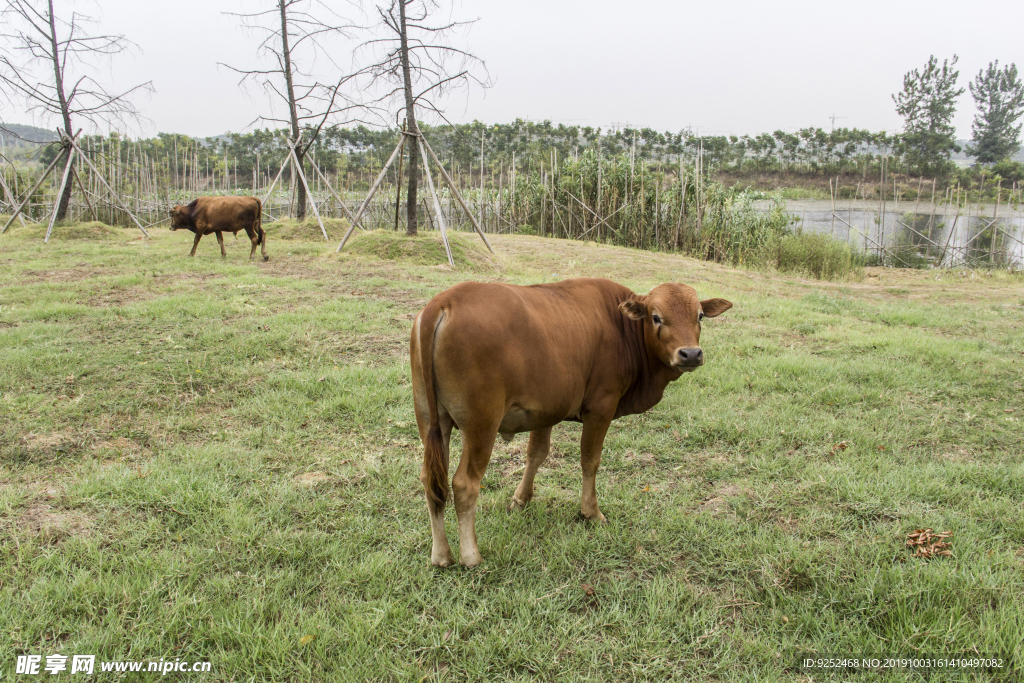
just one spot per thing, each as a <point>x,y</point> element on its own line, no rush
<point>12,131</point>
<point>18,139</point>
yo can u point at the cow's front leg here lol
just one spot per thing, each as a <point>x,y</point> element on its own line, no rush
<point>536,453</point>
<point>195,243</point>
<point>477,445</point>
<point>591,445</point>
<point>220,241</point>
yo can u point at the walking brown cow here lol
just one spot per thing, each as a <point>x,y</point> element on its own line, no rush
<point>219,215</point>
<point>493,359</point>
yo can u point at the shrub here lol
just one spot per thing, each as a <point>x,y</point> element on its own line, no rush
<point>820,256</point>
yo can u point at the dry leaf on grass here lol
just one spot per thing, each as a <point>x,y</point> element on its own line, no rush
<point>928,544</point>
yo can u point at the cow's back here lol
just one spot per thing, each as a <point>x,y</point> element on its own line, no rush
<point>226,214</point>
<point>535,354</point>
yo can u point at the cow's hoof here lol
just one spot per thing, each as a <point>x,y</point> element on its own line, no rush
<point>599,518</point>
<point>442,560</point>
<point>516,505</point>
<point>266,258</point>
<point>472,560</point>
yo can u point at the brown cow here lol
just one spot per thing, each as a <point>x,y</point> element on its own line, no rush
<point>219,215</point>
<point>495,358</point>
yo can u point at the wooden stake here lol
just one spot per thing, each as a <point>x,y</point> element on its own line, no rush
<point>458,195</point>
<point>60,193</point>
<point>85,195</point>
<point>373,190</point>
<point>312,200</point>
<point>437,203</point>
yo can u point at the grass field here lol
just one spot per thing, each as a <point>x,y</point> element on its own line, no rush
<point>217,460</point>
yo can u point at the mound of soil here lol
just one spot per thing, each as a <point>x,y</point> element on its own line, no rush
<point>306,231</point>
<point>92,230</point>
<point>426,249</point>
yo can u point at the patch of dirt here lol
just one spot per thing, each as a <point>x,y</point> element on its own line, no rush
<point>53,524</point>
<point>44,443</point>
<point>718,502</point>
<point>121,445</point>
<point>116,298</point>
<point>72,275</point>
<point>310,479</point>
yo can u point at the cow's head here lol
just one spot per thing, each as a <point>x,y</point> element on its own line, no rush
<point>181,217</point>
<point>671,315</point>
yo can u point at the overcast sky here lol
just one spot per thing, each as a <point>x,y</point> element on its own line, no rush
<point>741,67</point>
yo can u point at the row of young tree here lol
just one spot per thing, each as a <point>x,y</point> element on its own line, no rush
<point>927,104</point>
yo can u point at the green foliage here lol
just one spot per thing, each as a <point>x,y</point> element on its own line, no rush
<point>927,105</point>
<point>1006,169</point>
<point>999,97</point>
<point>816,255</point>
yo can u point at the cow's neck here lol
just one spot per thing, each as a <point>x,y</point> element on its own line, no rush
<point>647,376</point>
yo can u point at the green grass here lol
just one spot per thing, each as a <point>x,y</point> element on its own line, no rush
<point>213,459</point>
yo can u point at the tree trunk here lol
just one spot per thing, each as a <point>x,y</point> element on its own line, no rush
<point>300,151</point>
<point>414,153</point>
<point>65,197</point>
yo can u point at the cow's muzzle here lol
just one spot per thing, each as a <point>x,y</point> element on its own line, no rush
<point>689,357</point>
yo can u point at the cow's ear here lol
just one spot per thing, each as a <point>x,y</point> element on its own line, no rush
<point>713,307</point>
<point>634,308</point>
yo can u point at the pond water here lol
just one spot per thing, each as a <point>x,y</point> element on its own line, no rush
<point>913,233</point>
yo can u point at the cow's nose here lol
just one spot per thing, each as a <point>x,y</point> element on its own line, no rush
<point>690,357</point>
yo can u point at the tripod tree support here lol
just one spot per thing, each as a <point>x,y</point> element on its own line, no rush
<point>458,195</point>
<point>437,205</point>
<point>369,196</point>
<point>312,200</point>
<point>60,193</point>
<point>287,160</point>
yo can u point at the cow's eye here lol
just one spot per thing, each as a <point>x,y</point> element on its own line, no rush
<point>700,316</point>
<point>656,318</point>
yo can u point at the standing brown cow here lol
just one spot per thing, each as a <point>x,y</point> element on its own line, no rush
<point>493,359</point>
<point>219,215</point>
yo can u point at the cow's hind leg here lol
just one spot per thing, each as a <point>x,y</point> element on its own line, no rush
<point>477,445</point>
<point>220,241</point>
<point>440,551</point>
<point>591,445</point>
<point>254,238</point>
<point>536,453</point>
<point>195,243</point>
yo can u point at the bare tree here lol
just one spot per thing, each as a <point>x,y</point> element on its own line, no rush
<point>294,34</point>
<point>40,41</point>
<point>415,66</point>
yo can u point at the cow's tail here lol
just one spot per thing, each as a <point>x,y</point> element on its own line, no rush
<point>435,465</point>
<point>258,224</point>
